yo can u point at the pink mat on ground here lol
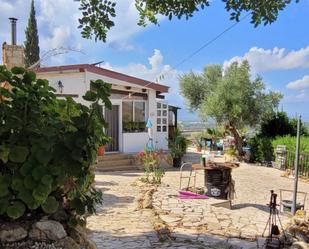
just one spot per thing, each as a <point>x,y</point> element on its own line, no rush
<point>191,195</point>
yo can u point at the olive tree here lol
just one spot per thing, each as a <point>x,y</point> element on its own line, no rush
<point>97,15</point>
<point>232,97</point>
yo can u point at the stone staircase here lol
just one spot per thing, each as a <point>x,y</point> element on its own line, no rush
<point>115,162</point>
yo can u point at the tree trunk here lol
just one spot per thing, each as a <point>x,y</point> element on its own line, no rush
<point>238,140</point>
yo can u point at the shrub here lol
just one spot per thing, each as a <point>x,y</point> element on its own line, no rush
<point>151,161</point>
<point>261,149</point>
<point>290,143</point>
<point>47,146</point>
<point>231,151</point>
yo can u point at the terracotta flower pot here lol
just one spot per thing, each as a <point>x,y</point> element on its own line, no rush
<point>101,150</point>
<point>198,149</point>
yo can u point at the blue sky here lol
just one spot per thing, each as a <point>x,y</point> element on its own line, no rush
<point>278,52</point>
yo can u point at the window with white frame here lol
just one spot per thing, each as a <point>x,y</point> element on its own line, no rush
<point>134,116</point>
<point>162,117</point>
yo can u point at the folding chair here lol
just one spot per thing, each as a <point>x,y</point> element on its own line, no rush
<point>192,174</point>
<point>286,202</point>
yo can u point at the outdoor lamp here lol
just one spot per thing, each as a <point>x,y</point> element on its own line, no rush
<point>60,86</point>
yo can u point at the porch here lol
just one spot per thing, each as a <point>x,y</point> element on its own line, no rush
<point>116,162</point>
<point>127,122</point>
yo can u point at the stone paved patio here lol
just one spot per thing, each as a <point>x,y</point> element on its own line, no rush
<point>192,223</point>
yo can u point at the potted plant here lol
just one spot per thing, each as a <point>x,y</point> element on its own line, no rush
<point>125,126</point>
<point>199,144</point>
<point>129,126</point>
<point>142,126</point>
<point>177,145</point>
<point>101,150</point>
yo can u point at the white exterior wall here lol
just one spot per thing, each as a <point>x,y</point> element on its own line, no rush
<point>73,83</point>
<point>134,142</point>
<point>79,82</point>
<point>93,76</point>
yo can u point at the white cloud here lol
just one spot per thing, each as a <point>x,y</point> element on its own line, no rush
<point>299,84</point>
<point>302,95</point>
<point>263,60</point>
<point>152,72</point>
<point>59,37</point>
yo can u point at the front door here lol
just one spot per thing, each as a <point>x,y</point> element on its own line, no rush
<point>112,119</point>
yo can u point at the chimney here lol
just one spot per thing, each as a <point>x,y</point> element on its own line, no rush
<point>13,30</point>
<point>13,55</point>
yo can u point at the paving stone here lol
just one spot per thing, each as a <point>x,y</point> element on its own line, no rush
<point>169,219</point>
<point>120,224</point>
<point>242,243</point>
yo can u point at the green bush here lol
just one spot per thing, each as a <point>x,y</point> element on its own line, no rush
<point>290,143</point>
<point>279,124</point>
<point>47,146</point>
<point>261,149</point>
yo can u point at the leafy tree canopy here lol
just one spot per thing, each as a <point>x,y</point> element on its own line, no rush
<point>279,124</point>
<point>232,98</point>
<point>98,14</point>
<point>197,86</point>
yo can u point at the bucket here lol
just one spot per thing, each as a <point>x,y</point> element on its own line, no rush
<point>287,206</point>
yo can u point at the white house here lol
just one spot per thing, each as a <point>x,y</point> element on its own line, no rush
<point>134,101</point>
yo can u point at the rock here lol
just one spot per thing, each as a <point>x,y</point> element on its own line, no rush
<point>287,239</point>
<point>301,236</point>
<point>223,245</point>
<point>37,235</point>
<point>147,202</point>
<point>213,226</point>
<point>53,229</point>
<point>80,236</point>
<point>292,229</point>
<point>242,244</point>
<point>298,220</point>
<point>299,245</point>
<point>169,219</point>
<point>232,232</point>
<point>13,233</point>
<point>76,235</point>
<point>67,243</point>
<point>60,215</point>
<point>89,244</point>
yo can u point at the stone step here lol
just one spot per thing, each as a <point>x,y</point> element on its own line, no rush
<point>113,163</point>
<point>112,157</point>
<point>116,168</point>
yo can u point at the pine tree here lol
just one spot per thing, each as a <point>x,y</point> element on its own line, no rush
<point>32,49</point>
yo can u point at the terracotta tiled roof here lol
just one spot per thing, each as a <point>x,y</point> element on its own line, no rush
<point>107,73</point>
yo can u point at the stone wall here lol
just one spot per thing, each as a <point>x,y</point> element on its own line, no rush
<point>12,55</point>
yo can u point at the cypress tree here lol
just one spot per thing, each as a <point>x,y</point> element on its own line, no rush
<point>32,49</point>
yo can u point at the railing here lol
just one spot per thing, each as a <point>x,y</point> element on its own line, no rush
<point>288,162</point>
